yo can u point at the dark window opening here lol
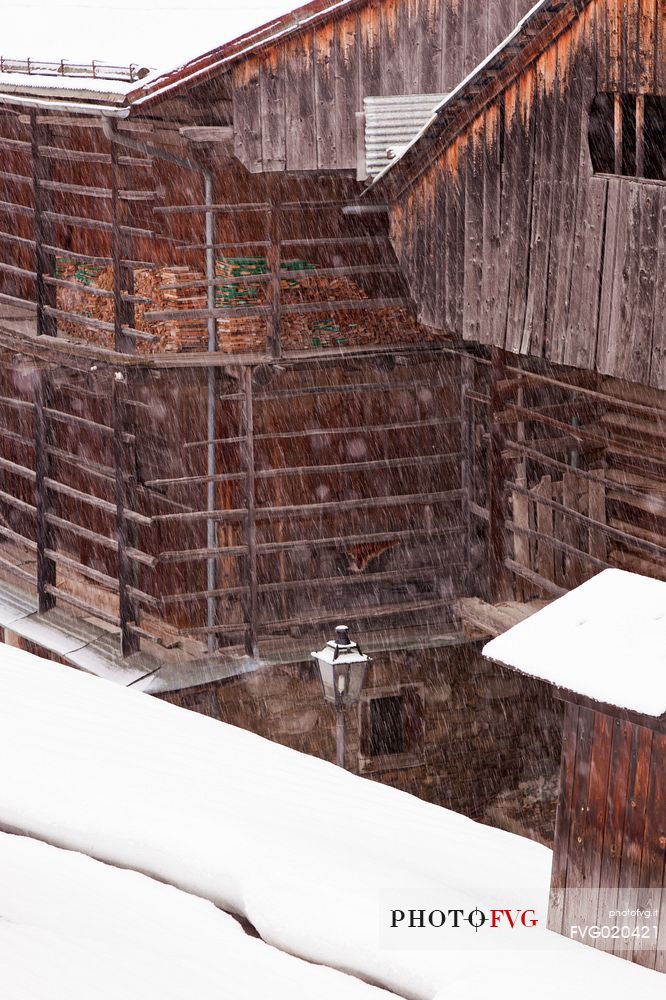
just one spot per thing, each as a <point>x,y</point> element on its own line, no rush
<point>392,726</point>
<point>386,726</point>
<point>627,135</point>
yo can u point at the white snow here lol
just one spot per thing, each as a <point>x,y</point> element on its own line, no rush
<point>161,34</point>
<point>605,640</point>
<point>72,928</point>
<point>303,849</point>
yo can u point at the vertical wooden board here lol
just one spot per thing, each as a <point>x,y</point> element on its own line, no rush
<point>574,904</point>
<point>325,96</point>
<point>658,359</point>
<point>432,262</point>
<point>501,18</point>
<point>602,745</point>
<point>630,339</point>
<point>476,39</point>
<point>575,160</point>
<point>431,44</point>
<point>518,231</point>
<point>370,48</point>
<point>558,876</point>
<point>300,105</point>
<point>603,54</point>
<point>347,93</point>
<point>653,858</point>
<point>455,236</point>
<point>607,276</point>
<point>616,64</point>
<point>533,337</point>
<point>572,575</point>
<point>247,113</point>
<point>390,59</point>
<point>440,247</point>
<point>582,321</point>
<point>521,519</point>
<point>273,134</point>
<point>650,201</point>
<point>597,541</point>
<point>611,855</point>
<point>411,42</point>
<point>491,325</point>
<point>630,50</point>
<point>580,347</point>
<point>454,43</point>
<point>660,51</point>
<point>474,205</point>
<point>646,46</point>
<point>545,563</point>
<point>632,843</point>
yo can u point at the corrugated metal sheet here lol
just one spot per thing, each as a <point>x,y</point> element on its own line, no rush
<point>391,123</point>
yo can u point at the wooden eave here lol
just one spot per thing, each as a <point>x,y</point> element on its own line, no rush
<point>259,39</point>
<point>493,77</point>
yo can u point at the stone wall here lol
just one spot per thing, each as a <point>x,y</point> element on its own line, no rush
<point>488,744</point>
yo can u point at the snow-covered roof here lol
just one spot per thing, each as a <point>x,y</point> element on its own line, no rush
<point>163,35</point>
<point>605,640</point>
<point>304,850</point>
<point>72,928</point>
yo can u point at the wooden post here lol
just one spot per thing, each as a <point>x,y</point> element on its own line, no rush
<point>247,463</point>
<point>46,568</point>
<point>123,279</point>
<point>274,322</point>
<point>44,261</point>
<point>640,135</point>
<point>496,482</point>
<point>617,111</point>
<point>467,465</point>
<point>125,490</point>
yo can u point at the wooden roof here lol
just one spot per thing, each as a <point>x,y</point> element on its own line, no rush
<point>534,33</point>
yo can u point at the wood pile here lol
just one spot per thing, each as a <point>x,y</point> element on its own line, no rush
<point>300,331</point>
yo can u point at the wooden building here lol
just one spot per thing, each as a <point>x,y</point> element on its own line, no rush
<point>602,647</point>
<point>246,394</point>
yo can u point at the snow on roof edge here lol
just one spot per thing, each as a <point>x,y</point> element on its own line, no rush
<point>604,640</point>
<point>459,89</point>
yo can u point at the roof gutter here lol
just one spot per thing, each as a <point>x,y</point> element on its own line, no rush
<point>76,107</point>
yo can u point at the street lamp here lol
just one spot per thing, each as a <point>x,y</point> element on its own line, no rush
<point>342,668</point>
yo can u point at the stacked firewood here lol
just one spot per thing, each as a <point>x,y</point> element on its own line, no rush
<point>243,334</point>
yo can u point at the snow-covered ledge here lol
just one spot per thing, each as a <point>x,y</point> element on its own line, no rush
<point>603,647</point>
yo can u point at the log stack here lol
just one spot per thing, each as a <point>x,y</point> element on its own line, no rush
<point>300,331</point>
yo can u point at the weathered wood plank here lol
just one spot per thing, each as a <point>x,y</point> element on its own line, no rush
<point>300,103</point>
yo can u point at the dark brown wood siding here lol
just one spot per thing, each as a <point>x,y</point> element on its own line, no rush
<point>294,105</point>
<point>610,846</point>
<point>536,253</point>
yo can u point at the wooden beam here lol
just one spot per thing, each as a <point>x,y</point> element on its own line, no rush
<point>46,568</point>
<point>274,323</point>
<point>44,262</point>
<point>249,573</point>
<point>125,492</point>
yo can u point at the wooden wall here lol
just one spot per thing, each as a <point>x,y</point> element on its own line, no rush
<point>609,840</point>
<point>508,238</point>
<point>294,106</point>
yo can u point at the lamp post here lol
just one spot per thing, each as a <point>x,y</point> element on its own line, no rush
<point>342,668</point>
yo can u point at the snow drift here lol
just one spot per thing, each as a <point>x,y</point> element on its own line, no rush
<point>298,846</point>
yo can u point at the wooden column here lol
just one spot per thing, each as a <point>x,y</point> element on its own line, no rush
<point>274,322</point>
<point>46,568</point>
<point>125,491</point>
<point>467,466</point>
<point>43,230</point>
<point>497,550</point>
<point>247,465</point>
<point>123,278</point>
